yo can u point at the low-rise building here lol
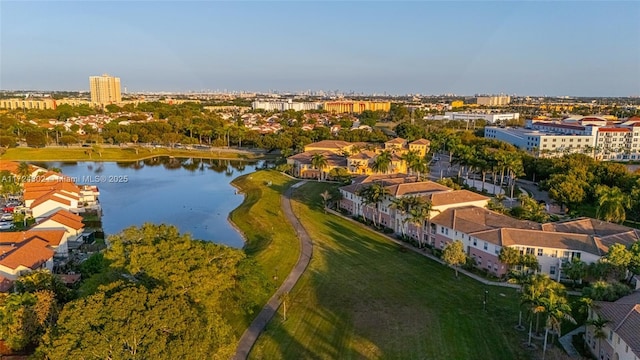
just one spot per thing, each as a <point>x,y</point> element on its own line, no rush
<point>461,215</point>
<point>621,329</point>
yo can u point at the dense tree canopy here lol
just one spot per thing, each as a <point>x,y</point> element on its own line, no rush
<point>157,294</point>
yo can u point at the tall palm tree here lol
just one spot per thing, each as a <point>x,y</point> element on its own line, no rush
<point>409,158</point>
<point>319,162</point>
<point>374,195</point>
<point>598,324</point>
<point>382,162</point>
<point>401,207</point>
<point>557,309</point>
<point>612,203</point>
<point>420,210</point>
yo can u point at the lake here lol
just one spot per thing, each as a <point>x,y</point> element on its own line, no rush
<point>195,195</point>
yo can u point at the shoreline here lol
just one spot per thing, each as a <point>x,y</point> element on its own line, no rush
<point>117,154</point>
<point>230,221</point>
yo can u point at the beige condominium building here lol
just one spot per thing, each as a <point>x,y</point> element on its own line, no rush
<point>105,89</point>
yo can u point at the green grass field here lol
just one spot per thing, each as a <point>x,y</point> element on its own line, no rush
<point>362,297</point>
<point>271,239</point>
<point>111,154</point>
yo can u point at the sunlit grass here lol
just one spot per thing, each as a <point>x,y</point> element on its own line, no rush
<point>363,297</point>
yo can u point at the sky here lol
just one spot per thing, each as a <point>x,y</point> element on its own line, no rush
<point>575,48</point>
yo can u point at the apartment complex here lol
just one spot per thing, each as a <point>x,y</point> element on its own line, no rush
<point>285,105</point>
<point>105,89</point>
<point>594,136</point>
<point>461,215</point>
<point>494,100</point>
<point>489,118</point>
<point>355,158</point>
<point>357,107</point>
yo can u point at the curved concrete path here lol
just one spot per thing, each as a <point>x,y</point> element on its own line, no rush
<point>250,335</point>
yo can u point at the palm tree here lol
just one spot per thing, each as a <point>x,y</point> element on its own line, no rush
<point>409,158</point>
<point>374,195</point>
<point>382,162</point>
<point>319,162</point>
<point>418,212</point>
<point>401,207</point>
<point>325,197</point>
<point>612,203</point>
<point>557,309</point>
<point>598,324</point>
<point>24,170</point>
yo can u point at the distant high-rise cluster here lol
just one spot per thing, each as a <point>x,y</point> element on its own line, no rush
<point>105,89</point>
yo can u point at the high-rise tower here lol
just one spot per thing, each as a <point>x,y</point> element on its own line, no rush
<point>105,89</point>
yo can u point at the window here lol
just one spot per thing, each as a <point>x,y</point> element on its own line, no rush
<point>552,270</point>
<point>530,251</point>
<point>485,246</point>
<point>540,252</point>
<point>610,335</point>
<point>475,242</point>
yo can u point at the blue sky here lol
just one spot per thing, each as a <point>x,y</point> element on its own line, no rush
<point>554,48</point>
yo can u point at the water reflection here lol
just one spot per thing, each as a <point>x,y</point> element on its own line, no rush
<point>192,193</point>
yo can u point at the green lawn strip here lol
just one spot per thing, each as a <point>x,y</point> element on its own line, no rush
<point>362,297</point>
<point>111,154</point>
<point>270,238</point>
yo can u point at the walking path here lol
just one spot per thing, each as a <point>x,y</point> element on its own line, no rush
<point>250,336</point>
<point>567,342</point>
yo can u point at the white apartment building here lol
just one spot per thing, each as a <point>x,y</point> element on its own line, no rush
<point>542,143</point>
<point>285,105</point>
<point>490,118</point>
<point>592,136</point>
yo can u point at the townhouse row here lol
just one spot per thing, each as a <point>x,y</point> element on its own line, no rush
<point>462,215</point>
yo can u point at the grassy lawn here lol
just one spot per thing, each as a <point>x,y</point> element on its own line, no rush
<point>362,297</point>
<point>111,154</point>
<point>270,239</point>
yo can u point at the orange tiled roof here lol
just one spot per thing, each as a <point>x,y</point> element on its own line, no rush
<point>53,237</point>
<point>64,220</point>
<point>31,254</point>
<point>51,196</point>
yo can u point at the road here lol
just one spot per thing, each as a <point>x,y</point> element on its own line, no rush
<point>250,335</point>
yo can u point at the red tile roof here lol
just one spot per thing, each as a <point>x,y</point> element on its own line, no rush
<point>51,196</point>
<point>52,236</point>
<point>31,254</point>
<point>613,129</point>
<point>64,220</point>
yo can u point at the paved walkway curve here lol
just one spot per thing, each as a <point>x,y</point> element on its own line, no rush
<point>250,335</point>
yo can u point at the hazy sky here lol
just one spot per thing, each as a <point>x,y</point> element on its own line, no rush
<point>554,48</point>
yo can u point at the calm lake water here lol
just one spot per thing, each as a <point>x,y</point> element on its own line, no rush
<point>193,194</point>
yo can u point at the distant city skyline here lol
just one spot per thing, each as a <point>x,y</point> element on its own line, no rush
<point>524,48</point>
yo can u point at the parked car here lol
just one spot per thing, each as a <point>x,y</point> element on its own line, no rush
<point>6,225</point>
<point>6,217</point>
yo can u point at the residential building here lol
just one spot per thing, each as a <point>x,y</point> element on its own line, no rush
<point>461,215</point>
<point>493,100</point>
<point>105,89</point>
<point>490,118</point>
<point>357,107</point>
<point>356,158</point>
<point>594,136</point>
<point>285,105</point>
<point>621,331</point>
<point>20,258</point>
